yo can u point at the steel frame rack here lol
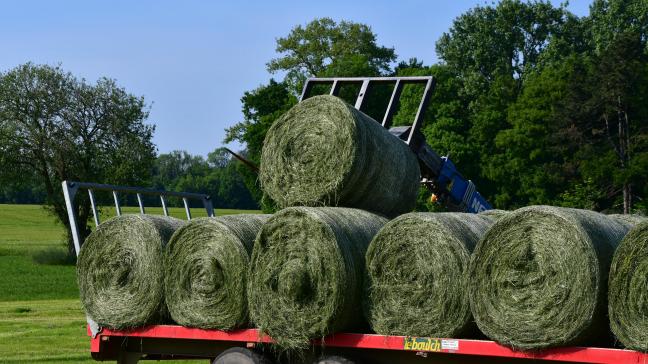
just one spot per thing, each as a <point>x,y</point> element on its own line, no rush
<point>182,342</point>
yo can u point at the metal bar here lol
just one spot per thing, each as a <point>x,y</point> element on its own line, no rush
<point>361,94</point>
<point>306,91</point>
<point>391,107</point>
<point>69,193</point>
<point>207,203</point>
<point>117,207</point>
<point>164,206</point>
<point>418,119</point>
<point>143,191</point>
<point>140,203</point>
<point>186,206</point>
<point>93,205</point>
<point>335,89</point>
<point>412,79</point>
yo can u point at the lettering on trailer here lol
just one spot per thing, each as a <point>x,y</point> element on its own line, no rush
<point>476,205</point>
<point>429,344</point>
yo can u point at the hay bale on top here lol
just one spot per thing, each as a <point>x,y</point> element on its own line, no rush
<point>494,213</point>
<point>417,274</point>
<point>627,295</point>
<point>325,152</point>
<point>306,273</point>
<point>120,271</point>
<point>206,265</point>
<point>539,277</point>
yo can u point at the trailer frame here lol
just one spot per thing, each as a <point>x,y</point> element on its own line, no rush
<point>160,342</point>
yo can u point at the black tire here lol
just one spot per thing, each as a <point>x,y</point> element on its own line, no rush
<point>240,356</point>
<point>334,359</point>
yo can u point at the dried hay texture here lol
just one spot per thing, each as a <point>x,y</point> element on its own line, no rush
<point>324,152</point>
<point>538,279</point>
<point>306,272</point>
<point>417,274</point>
<point>206,266</point>
<point>628,289</point>
<point>120,271</point>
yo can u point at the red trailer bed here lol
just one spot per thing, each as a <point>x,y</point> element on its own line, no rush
<point>168,342</point>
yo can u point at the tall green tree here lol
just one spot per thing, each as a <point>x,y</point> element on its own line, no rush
<point>57,127</point>
<point>492,51</point>
<point>325,47</point>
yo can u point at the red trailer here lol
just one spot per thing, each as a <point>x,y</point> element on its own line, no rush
<point>162,342</point>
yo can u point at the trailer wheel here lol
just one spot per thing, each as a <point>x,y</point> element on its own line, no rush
<point>238,355</point>
<point>334,359</point>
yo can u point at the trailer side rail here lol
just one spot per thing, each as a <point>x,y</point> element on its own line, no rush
<point>417,346</point>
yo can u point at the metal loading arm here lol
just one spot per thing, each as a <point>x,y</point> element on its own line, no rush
<point>438,173</point>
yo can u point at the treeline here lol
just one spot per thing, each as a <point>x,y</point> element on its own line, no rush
<point>535,104</point>
<point>216,175</point>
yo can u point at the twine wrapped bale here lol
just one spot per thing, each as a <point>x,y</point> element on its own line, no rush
<point>632,219</point>
<point>538,278</point>
<point>325,152</point>
<point>120,271</point>
<point>494,213</point>
<point>628,294</point>
<point>306,273</point>
<point>417,268</point>
<point>206,266</point>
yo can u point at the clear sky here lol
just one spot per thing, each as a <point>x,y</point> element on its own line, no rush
<point>192,60</point>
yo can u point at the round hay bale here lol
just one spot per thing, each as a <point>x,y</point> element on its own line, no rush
<point>538,279</point>
<point>417,269</point>
<point>206,264</point>
<point>306,273</point>
<point>632,219</point>
<point>494,213</point>
<point>628,297</point>
<point>120,271</point>
<point>325,152</point>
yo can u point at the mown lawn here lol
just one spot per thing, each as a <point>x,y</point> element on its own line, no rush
<point>41,318</point>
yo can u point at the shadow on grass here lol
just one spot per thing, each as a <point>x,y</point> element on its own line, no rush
<point>54,256</point>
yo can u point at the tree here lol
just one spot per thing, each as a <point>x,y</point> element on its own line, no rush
<point>492,51</point>
<point>619,91</point>
<point>324,46</point>
<point>216,176</point>
<point>61,128</point>
<point>508,39</point>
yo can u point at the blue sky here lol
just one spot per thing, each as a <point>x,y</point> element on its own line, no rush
<point>192,60</point>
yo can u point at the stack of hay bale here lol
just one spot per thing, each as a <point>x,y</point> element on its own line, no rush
<point>330,260</point>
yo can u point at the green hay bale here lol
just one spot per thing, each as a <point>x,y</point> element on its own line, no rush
<point>206,265</point>
<point>417,274</point>
<point>120,271</point>
<point>632,219</point>
<point>494,213</point>
<point>538,279</point>
<point>325,152</point>
<point>306,273</point>
<point>628,293</point>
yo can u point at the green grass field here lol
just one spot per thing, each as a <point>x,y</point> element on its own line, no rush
<point>41,318</point>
